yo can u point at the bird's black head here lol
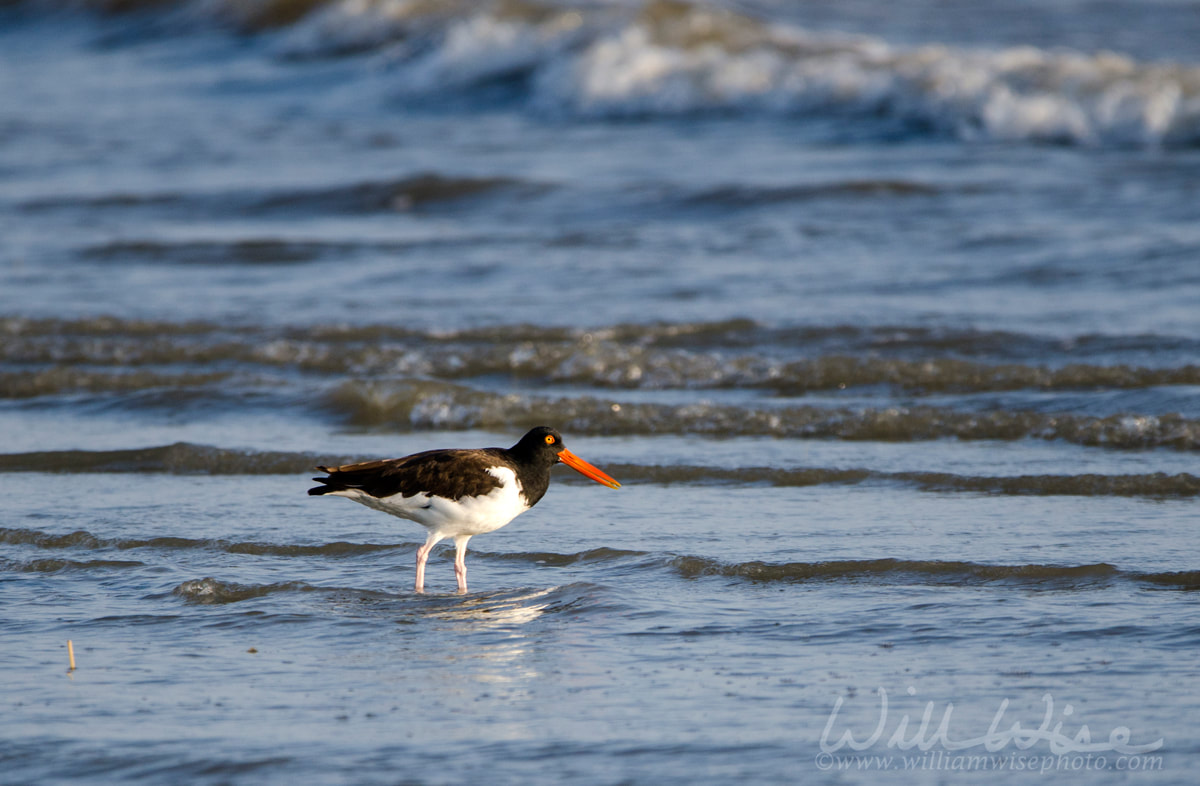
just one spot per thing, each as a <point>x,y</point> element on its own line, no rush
<point>543,445</point>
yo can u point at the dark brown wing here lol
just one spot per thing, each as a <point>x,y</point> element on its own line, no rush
<point>452,474</point>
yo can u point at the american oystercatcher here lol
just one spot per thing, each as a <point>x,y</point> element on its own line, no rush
<point>458,493</point>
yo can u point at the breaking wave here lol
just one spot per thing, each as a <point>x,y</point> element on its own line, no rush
<point>69,356</point>
<point>429,405</point>
<point>884,383</point>
<point>667,58</point>
<point>210,591</point>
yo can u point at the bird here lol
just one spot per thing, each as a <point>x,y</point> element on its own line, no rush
<point>458,493</point>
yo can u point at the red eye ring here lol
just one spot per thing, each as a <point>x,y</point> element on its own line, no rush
<point>549,439</point>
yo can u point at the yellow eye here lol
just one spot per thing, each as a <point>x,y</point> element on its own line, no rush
<point>549,439</point>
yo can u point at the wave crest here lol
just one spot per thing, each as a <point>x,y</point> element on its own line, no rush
<point>434,405</point>
<point>890,570</point>
<point>95,356</point>
<point>57,565</point>
<point>211,591</point>
<point>669,57</point>
<point>666,57</point>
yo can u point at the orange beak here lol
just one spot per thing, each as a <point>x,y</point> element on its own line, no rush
<point>586,469</point>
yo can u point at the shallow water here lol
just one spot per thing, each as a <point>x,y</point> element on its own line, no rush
<point>884,317</point>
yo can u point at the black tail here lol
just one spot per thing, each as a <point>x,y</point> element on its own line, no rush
<point>330,484</point>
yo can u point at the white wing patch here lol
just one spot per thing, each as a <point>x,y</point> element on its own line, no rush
<point>450,518</point>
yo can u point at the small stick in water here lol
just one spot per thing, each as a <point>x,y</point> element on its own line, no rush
<point>71,654</point>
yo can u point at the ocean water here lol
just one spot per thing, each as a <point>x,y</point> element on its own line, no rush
<point>886,315</point>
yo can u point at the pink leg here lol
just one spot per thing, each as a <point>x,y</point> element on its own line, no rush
<point>460,562</point>
<point>422,556</point>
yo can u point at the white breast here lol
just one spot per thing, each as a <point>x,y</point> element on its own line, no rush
<point>447,517</point>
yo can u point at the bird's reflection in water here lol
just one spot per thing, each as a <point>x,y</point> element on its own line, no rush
<point>485,640</point>
<point>497,609</point>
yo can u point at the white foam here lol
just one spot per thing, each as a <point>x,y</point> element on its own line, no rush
<point>481,47</point>
<point>670,59</point>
